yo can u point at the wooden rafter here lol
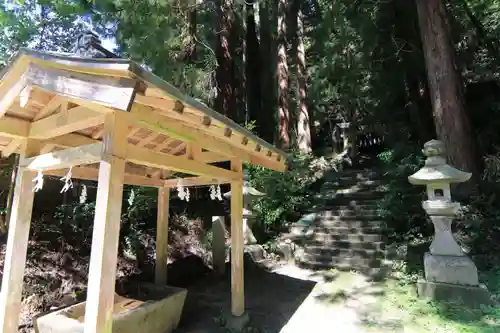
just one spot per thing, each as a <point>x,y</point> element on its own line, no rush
<point>65,122</point>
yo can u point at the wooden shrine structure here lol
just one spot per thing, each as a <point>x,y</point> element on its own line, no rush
<point>111,121</point>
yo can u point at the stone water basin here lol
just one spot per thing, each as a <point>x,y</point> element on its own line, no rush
<point>158,311</point>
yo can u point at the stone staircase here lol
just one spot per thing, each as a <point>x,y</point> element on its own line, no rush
<point>344,231</point>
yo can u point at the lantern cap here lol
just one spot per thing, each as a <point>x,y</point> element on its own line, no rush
<point>436,170</point>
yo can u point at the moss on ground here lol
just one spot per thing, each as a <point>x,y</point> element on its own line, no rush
<point>392,306</point>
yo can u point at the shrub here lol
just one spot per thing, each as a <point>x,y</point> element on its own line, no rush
<point>401,207</point>
<point>289,194</point>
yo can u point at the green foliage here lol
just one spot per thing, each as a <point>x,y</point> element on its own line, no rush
<point>401,206</point>
<point>289,194</point>
<point>40,24</point>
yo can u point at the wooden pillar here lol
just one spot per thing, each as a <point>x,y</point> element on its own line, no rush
<point>218,244</point>
<point>103,259</point>
<point>237,244</point>
<point>162,236</point>
<point>17,244</point>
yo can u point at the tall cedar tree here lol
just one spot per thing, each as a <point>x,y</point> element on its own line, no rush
<point>282,68</point>
<point>303,122</point>
<point>445,83</point>
<point>253,72</point>
<point>225,102</point>
<point>266,119</point>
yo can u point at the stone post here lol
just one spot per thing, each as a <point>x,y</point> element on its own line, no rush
<point>218,245</point>
<point>449,273</point>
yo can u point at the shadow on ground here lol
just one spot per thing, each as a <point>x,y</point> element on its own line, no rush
<point>270,299</point>
<point>389,302</point>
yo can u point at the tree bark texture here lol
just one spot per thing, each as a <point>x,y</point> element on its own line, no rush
<point>303,122</point>
<point>445,83</point>
<point>253,71</point>
<point>266,119</point>
<point>282,68</point>
<point>225,102</point>
<point>238,50</point>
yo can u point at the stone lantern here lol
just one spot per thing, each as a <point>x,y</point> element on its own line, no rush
<point>449,273</point>
<point>249,194</point>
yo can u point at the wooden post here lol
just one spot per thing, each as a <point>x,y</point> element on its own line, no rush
<point>218,244</point>
<point>17,245</point>
<point>103,259</point>
<point>162,236</point>
<point>237,244</point>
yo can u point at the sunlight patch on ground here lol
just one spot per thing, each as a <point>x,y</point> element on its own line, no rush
<point>357,304</point>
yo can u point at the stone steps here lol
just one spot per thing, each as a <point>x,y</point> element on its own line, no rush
<point>327,237</point>
<point>352,184</point>
<point>325,252</point>
<point>346,231</point>
<point>345,244</point>
<point>340,263</point>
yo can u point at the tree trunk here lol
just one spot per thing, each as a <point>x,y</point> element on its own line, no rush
<point>238,50</point>
<point>253,72</point>
<point>303,122</point>
<point>282,68</point>
<point>266,119</point>
<point>445,83</point>
<point>225,101</point>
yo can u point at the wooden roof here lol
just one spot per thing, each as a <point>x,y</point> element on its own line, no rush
<point>61,101</point>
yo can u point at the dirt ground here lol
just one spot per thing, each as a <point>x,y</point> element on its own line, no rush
<point>271,299</point>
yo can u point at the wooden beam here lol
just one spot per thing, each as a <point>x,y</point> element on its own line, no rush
<point>17,246</point>
<point>146,117</point>
<point>12,147</point>
<point>50,108</point>
<point>103,259</point>
<point>65,158</point>
<point>237,243</point>
<point>90,173</point>
<point>12,83</point>
<point>192,181</point>
<point>162,236</point>
<point>73,120</point>
<point>177,163</point>
<point>14,127</point>
<point>71,140</point>
<point>195,119</point>
<point>108,91</point>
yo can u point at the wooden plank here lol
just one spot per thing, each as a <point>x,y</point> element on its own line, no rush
<point>103,259</point>
<point>17,246</point>
<point>65,158</point>
<point>112,92</point>
<point>177,163</point>
<point>162,236</point>
<point>73,120</point>
<point>237,243</point>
